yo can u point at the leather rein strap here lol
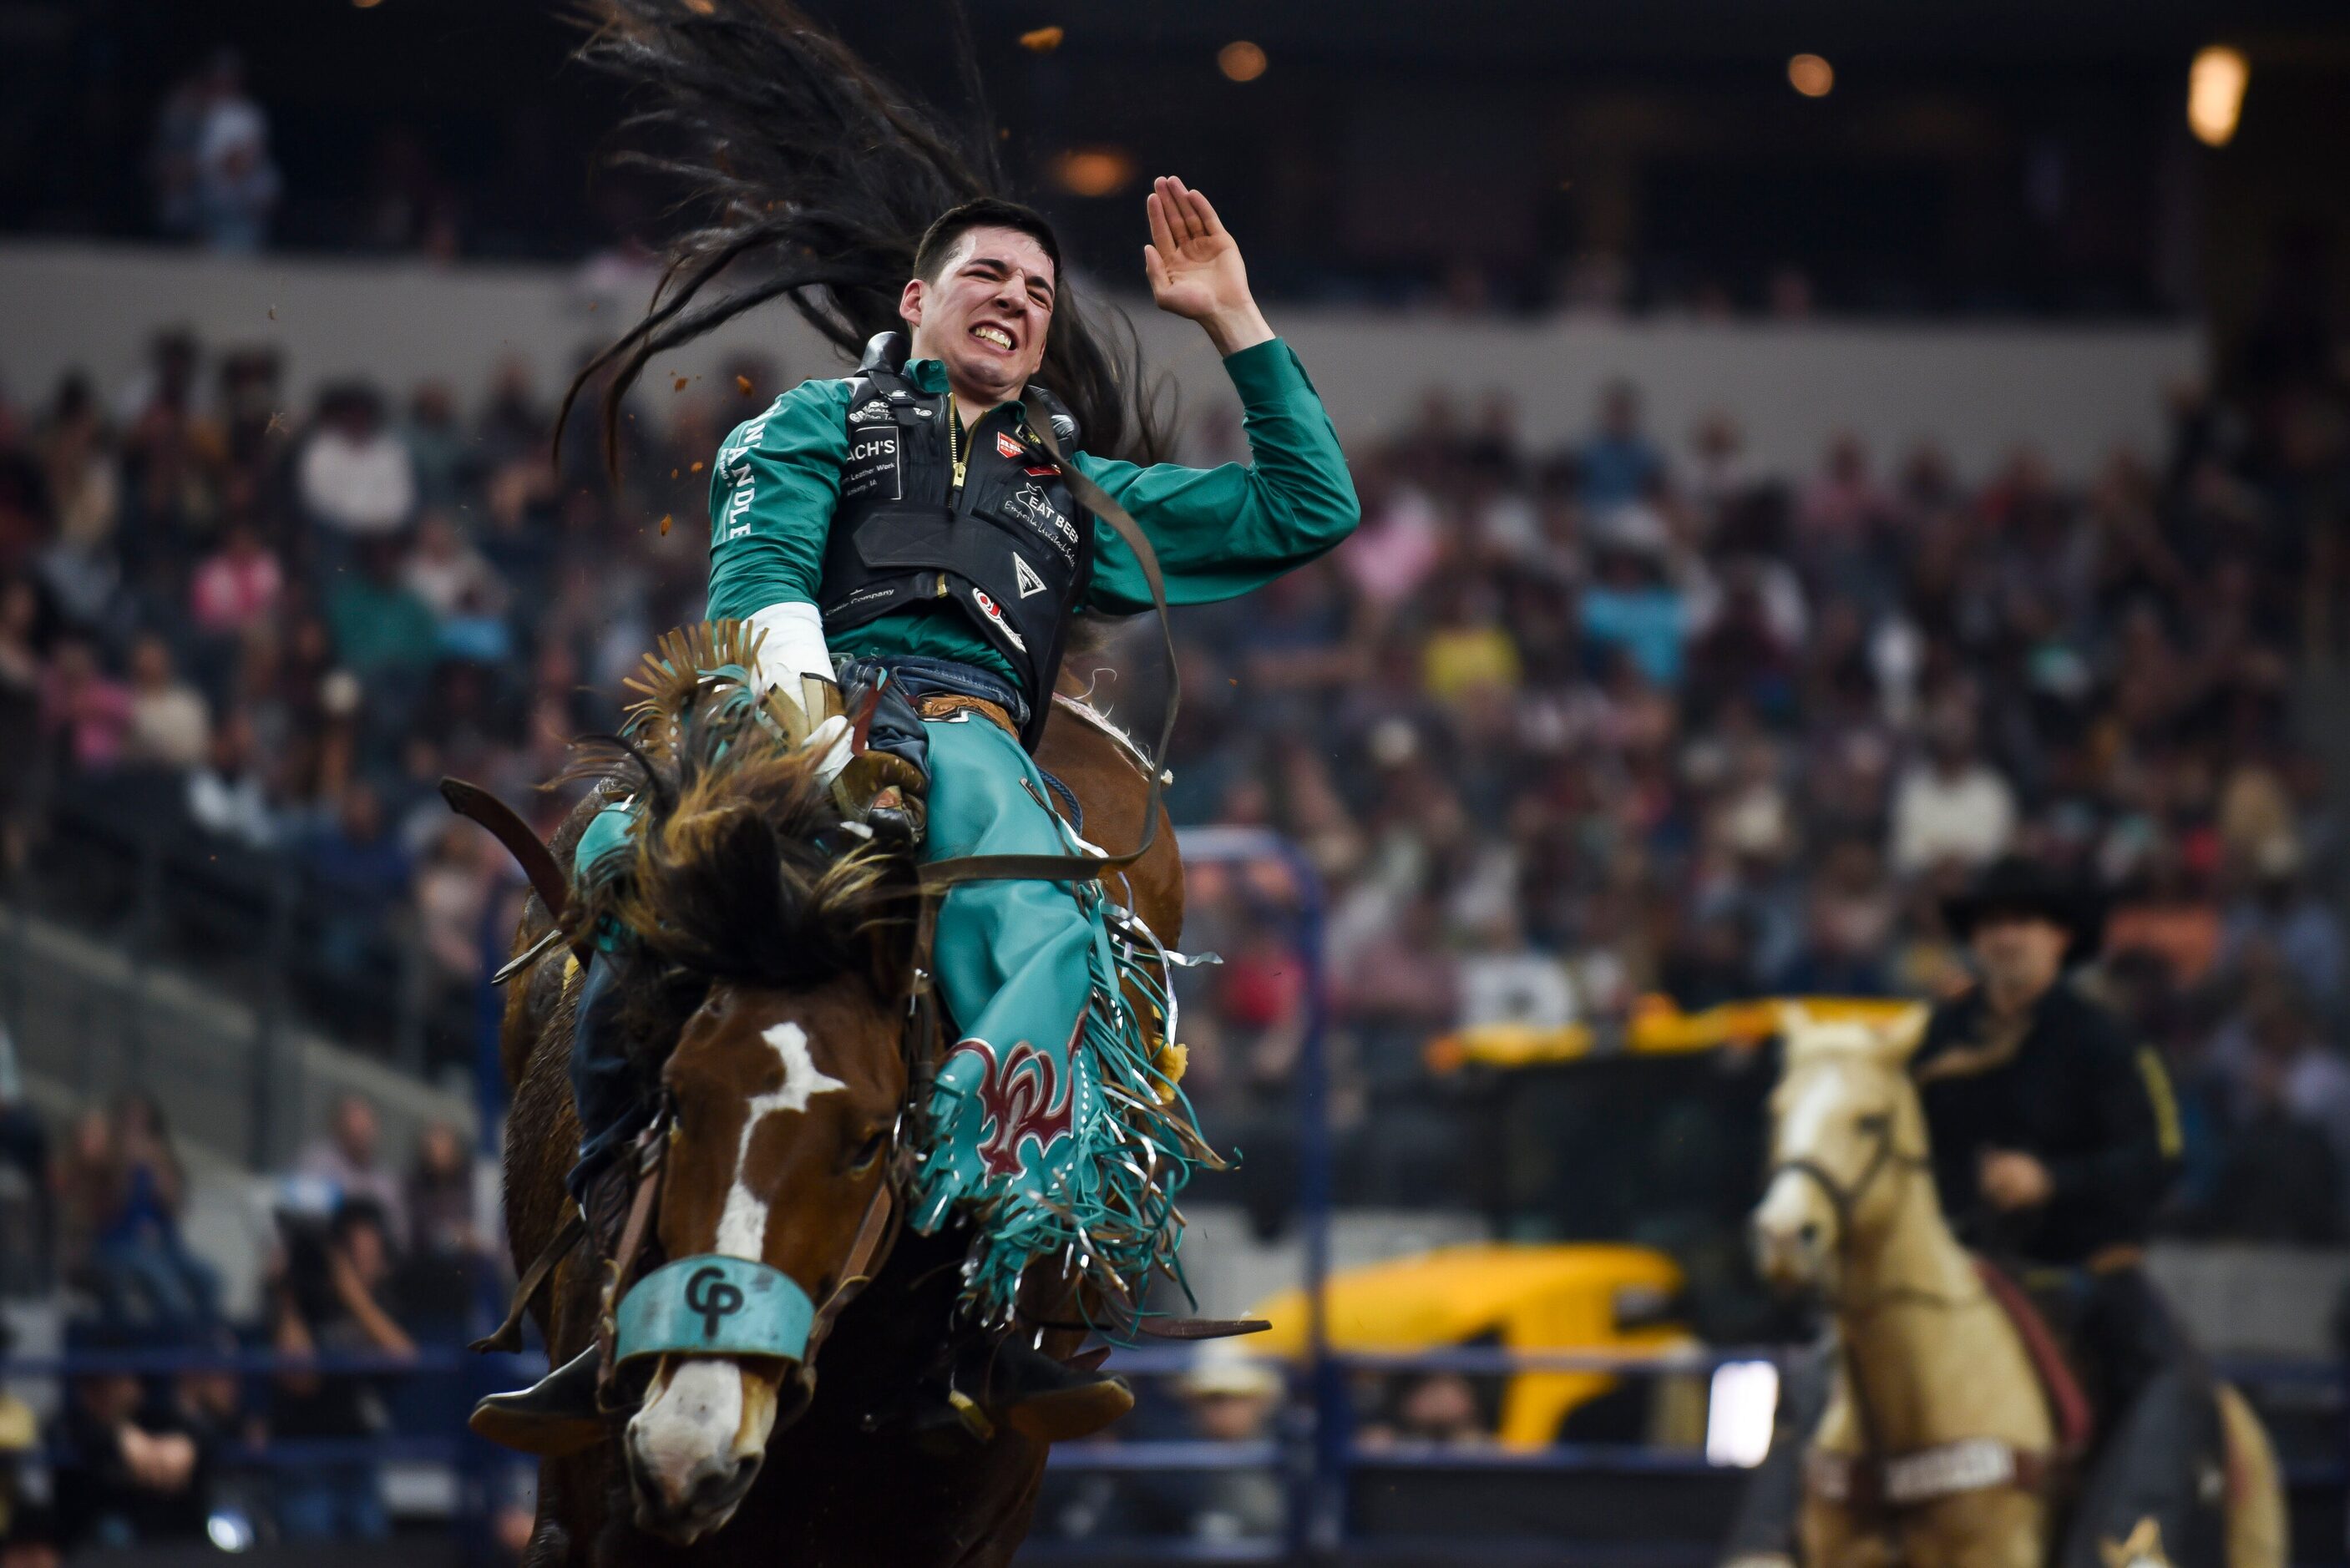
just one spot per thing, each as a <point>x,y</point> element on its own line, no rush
<point>530,852</point>
<point>941,875</point>
<point>1929,1475</point>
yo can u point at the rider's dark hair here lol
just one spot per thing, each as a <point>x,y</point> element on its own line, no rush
<point>813,179</point>
<point>946,231</point>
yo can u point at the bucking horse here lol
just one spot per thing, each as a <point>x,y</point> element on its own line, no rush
<point>759,1397</point>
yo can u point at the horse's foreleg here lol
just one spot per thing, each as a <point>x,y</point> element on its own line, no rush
<point>2002,1528</point>
<point>551,1543</point>
<point>1834,1536</point>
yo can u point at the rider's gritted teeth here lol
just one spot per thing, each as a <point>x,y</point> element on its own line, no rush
<point>1011,340</point>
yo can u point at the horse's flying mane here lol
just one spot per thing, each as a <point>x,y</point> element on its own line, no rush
<point>740,865</point>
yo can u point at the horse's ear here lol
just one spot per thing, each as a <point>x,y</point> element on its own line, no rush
<point>1905,1031</point>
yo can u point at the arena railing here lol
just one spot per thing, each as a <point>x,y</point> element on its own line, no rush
<point>201,965</point>
<point>472,1464</point>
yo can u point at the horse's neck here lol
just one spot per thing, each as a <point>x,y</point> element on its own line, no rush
<point>1932,1356</point>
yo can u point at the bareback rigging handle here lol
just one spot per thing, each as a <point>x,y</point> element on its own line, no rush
<point>941,875</point>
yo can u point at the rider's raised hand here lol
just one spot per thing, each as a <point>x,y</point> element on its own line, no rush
<point>1195,269</point>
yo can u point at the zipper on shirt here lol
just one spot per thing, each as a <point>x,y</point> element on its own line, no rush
<point>954,454</point>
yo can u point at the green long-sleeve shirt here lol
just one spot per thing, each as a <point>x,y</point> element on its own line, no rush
<point>1219,532</point>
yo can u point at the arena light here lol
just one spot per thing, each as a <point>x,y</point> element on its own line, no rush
<point>1739,1414</point>
<point>1094,170</point>
<point>226,1528</point>
<point>1240,61</point>
<point>1811,74</point>
<point>2215,93</point>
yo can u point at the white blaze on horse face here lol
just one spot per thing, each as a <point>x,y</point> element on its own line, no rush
<point>1806,1121</point>
<point>742,1224</point>
<point>703,1420</point>
<point>1793,1202</point>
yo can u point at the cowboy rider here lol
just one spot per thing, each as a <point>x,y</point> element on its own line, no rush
<point>907,521</point>
<point>2054,1136</point>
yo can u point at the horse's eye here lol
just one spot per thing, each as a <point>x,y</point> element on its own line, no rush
<point>870,1150</point>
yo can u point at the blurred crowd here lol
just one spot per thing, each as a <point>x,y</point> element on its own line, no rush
<point>367,1262</point>
<point>1562,730</point>
<point>1569,735</point>
<point>1567,730</point>
<point>248,639</point>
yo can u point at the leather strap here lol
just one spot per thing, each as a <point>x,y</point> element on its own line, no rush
<point>653,1152</point>
<point>946,704</point>
<point>941,875</point>
<point>508,1335</point>
<point>538,861</point>
<point>1927,1475</point>
<point>1200,1327</point>
<point>1178,1328</point>
<point>872,1233</point>
<point>2068,1402</point>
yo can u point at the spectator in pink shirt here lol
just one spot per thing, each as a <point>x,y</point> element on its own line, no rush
<point>237,586</point>
<point>1399,542</point>
<point>88,709</point>
<point>1844,501</point>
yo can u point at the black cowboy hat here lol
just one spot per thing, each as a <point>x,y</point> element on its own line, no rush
<point>2014,885</point>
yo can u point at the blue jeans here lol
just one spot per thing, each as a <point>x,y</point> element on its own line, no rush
<point>921,678</point>
<point>605,1090</point>
<point>177,1287</point>
<point>332,1502</point>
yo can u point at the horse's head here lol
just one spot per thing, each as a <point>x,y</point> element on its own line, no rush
<point>1845,1120</point>
<point>785,1103</point>
<point>785,1090</point>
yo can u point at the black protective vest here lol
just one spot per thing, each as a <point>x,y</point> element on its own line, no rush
<point>1008,545</point>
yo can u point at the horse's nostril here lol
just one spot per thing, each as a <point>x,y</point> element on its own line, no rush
<point>1808,1233</point>
<point>721,1485</point>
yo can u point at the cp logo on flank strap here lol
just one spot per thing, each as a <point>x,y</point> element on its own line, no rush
<point>714,1305</point>
<point>707,1292</point>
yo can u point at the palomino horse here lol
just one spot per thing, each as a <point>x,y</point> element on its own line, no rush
<point>773,1020</point>
<point>1947,1397</point>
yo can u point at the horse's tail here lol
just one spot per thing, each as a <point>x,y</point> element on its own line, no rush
<point>813,180</point>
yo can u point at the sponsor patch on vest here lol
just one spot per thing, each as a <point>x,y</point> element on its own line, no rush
<point>1025,576</point>
<point>867,413</point>
<point>872,472</point>
<point>1033,507</point>
<point>987,607</point>
<point>1007,446</point>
